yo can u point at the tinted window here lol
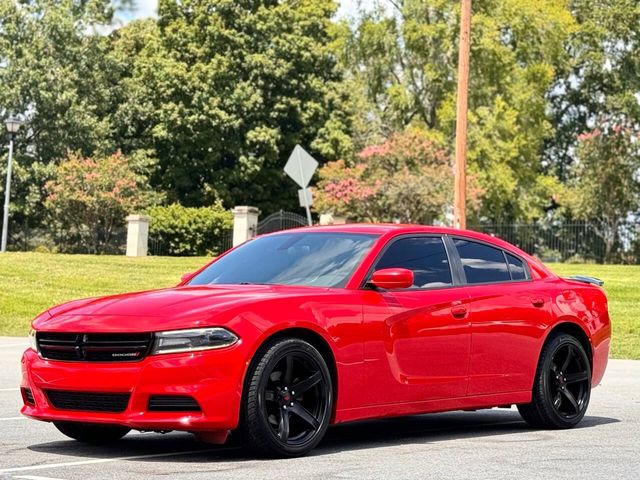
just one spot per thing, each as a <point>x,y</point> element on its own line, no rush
<point>311,259</point>
<point>482,263</point>
<point>425,256</point>
<point>516,267</point>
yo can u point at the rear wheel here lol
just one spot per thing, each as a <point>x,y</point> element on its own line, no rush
<point>288,399</point>
<point>91,432</point>
<point>562,386</point>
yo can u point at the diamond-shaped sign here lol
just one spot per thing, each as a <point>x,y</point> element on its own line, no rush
<point>300,166</point>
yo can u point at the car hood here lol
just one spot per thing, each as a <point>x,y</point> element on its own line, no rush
<point>165,309</point>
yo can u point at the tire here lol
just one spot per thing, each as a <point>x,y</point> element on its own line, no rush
<point>276,420</point>
<point>562,385</point>
<point>91,432</point>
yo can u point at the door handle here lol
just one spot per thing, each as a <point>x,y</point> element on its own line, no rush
<point>537,301</point>
<point>459,311</point>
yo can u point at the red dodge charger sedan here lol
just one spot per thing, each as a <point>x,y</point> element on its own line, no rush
<point>294,331</point>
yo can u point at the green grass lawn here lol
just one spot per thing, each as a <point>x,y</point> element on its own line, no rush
<point>622,284</point>
<point>31,282</point>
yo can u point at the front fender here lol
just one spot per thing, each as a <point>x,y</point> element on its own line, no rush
<point>336,321</point>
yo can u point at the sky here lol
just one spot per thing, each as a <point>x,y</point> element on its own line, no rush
<point>147,8</point>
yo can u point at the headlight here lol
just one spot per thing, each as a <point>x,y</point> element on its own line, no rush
<point>176,341</point>
<point>32,340</point>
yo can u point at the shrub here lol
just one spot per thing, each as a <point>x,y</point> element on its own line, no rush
<point>183,230</point>
<point>578,259</point>
<point>549,255</point>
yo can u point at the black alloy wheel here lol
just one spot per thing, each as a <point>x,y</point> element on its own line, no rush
<point>562,386</point>
<point>569,381</point>
<point>288,400</point>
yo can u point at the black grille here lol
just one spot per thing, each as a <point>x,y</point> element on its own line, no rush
<point>94,347</point>
<point>88,402</point>
<point>172,403</point>
<point>27,396</point>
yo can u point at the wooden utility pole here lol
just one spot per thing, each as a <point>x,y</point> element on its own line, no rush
<point>460,187</point>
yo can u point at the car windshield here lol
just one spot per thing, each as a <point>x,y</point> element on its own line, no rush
<point>319,259</point>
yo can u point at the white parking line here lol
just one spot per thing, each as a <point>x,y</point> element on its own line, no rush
<point>8,345</point>
<point>11,418</point>
<point>103,460</point>
<point>34,477</point>
<point>9,389</point>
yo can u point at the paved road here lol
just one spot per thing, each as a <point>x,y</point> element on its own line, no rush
<point>488,444</point>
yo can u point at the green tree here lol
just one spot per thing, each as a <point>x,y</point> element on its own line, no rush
<point>218,91</point>
<point>52,72</point>
<point>226,89</point>
<point>600,79</point>
<point>89,199</point>
<point>407,60</point>
<point>605,188</point>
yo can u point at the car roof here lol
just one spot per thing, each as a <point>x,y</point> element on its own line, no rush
<point>395,229</point>
<point>389,230</point>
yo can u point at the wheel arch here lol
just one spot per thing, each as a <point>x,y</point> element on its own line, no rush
<point>311,336</point>
<point>573,328</point>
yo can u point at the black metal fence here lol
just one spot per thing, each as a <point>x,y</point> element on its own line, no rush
<point>557,242</point>
<point>281,221</point>
<point>53,240</point>
<point>571,242</point>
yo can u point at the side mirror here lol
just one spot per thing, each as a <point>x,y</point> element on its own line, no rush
<point>186,276</point>
<point>390,278</point>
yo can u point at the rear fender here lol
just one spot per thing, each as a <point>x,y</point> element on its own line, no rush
<point>585,306</point>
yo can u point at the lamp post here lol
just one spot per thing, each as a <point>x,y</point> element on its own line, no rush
<point>13,125</point>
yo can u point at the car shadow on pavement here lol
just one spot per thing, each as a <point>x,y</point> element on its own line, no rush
<point>179,447</point>
<point>433,428</point>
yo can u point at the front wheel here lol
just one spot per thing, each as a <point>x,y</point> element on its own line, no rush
<point>562,386</point>
<point>91,432</point>
<point>288,399</point>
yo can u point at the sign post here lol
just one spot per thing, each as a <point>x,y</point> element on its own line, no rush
<point>300,167</point>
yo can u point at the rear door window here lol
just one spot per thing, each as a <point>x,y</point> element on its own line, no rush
<point>516,267</point>
<point>482,263</point>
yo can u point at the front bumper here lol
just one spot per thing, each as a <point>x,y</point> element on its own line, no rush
<point>213,378</point>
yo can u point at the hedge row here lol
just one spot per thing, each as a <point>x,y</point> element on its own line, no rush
<point>178,230</point>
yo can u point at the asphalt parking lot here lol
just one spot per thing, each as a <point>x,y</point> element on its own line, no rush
<point>484,444</point>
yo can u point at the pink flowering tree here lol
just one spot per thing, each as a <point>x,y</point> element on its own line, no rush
<point>343,190</point>
<point>89,198</point>
<point>408,179</point>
